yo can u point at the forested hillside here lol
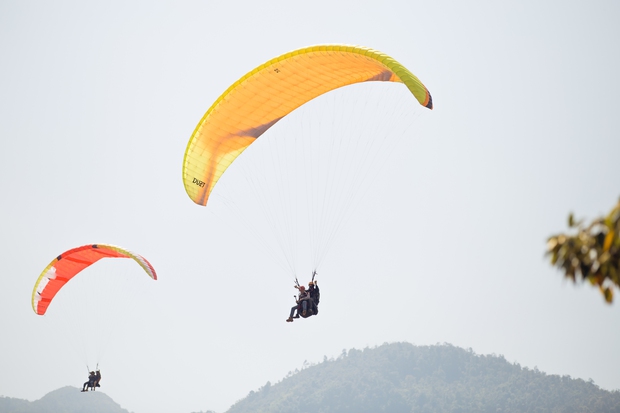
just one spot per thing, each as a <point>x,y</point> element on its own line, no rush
<point>401,377</point>
<point>392,378</point>
<point>65,400</point>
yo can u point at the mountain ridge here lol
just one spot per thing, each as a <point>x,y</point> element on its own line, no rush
<point>403,378</point>
<point>66,399</point>
<point>393,378</point>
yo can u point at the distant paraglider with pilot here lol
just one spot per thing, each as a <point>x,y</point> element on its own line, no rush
<point>61,271</point>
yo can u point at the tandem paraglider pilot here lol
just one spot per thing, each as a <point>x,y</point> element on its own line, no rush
<point>307,301</point>
<point>93,381</point>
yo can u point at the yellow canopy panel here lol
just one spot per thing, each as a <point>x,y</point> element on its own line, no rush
<point>265,95</point>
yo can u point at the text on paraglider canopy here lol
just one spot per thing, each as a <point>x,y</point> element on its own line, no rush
<point>198,182</point>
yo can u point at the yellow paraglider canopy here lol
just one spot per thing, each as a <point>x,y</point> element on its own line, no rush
<point>265,95</point>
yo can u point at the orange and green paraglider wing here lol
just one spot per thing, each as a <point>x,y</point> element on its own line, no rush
<point>271,91</point>
<point>68,264</point>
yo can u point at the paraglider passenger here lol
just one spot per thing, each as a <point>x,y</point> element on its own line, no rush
<point>91,381</point>
<point>302,301</point>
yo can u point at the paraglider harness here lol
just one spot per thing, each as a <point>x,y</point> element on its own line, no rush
<point>314,296</point>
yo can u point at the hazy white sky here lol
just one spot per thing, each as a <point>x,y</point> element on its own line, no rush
<point>98,100</point>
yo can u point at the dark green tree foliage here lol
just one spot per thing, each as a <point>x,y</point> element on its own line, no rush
<point>64,400</point>
<point>592,253</point>
<point>400,377</point>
